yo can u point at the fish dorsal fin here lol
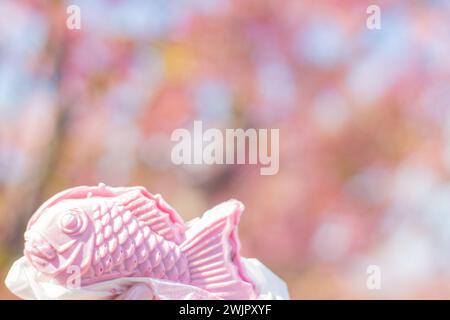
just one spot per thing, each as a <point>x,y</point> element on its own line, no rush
<point>155,213</point>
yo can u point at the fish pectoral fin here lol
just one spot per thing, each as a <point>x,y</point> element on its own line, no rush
<point>212,250</point>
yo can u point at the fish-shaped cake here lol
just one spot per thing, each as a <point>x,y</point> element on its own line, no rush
<point>108,233</point>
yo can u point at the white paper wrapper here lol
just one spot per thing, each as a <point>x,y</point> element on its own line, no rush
<point>26,283</point>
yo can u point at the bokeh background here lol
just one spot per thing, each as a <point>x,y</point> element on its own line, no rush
<point>363,115</point>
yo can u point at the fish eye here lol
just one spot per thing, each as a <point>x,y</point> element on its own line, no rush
<point>73,222</point>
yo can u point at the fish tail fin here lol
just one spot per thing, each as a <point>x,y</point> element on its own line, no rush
<point>212,250</point>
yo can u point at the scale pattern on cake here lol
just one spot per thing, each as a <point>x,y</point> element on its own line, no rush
<point>109,233</point>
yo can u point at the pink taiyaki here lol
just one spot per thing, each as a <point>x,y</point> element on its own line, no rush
<point>108,233</point>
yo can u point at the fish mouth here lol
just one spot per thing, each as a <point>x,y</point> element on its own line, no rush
<point>39,252</point>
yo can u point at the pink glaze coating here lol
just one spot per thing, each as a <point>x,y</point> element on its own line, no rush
<point>108,233</point>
